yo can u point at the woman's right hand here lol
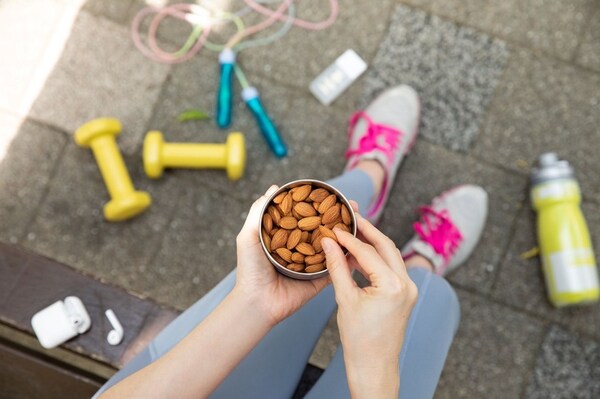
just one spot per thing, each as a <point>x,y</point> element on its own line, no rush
<point>371,320</point>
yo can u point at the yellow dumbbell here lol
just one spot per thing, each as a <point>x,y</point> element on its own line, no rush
<point>99,135</point>
<point>230,156</point>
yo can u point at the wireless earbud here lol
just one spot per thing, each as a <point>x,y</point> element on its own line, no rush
<point>115,336</point>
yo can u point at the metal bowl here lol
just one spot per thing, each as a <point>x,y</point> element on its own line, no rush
<point>315,183</point>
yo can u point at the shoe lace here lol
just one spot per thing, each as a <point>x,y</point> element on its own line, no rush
<point>377,137</point>
<point>436,228</point>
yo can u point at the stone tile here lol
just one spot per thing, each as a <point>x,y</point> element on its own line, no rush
<point>115,10</point>
<point>300,56</point>
<point>588,52</point>
<point>316,140</point>
<point>428,171</point>
<point>544,105</point>
<point>492,354</point>
<point>454,69</point>
<point>198,249</point>
<point>327,344</point>
<point>567,367</point>
<point>110,78</point>
<point>521,282</point>
<point>553,26</point>
<point>194,85</point>
<point>25,172</point>
<point>70,226</point>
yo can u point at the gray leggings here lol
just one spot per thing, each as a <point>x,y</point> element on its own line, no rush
<point>274,367</point>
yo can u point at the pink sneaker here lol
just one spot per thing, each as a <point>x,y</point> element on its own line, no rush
<point>449,228</point>
<point>385,131</point>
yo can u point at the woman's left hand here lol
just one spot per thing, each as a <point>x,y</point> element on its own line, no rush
<point>277,295</point>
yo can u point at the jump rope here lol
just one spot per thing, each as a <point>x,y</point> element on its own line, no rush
<point>202,17</point>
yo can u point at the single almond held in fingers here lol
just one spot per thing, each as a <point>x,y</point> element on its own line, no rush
<point>325,232</point>
<point>310,223</point>
<point>327,203</point>
<point>294,239</point>
<point>279,239</point>
<point>288,222</point>
<point>302,192</point>
<point>305,209</point>
<point>314,268</point>
<point>305,249</point>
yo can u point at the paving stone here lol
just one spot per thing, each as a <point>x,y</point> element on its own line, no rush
<point>115,10</point>
<point>553,26</point>
<point>198,249</point>
<point>194,85</point>
<point>492,353</point>
<point>588,52</point>
<point>70,226</point>
<point>545,105</point>
<point>521,282</point>
<point>428,171</point>
<point>25,171</point>
<point>454,69</point>
<point>316,140</point>
<point>108,79</point>
<point>567,367</point>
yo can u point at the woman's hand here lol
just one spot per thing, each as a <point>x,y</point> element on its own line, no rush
<point>277,295</point>
<point>372,320</point>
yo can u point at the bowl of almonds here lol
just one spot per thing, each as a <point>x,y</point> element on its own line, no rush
<point>295,219</point>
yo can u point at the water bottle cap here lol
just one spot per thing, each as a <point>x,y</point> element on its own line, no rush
<point>550,167</point>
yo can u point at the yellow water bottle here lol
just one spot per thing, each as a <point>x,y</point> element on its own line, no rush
<point>565,247</point>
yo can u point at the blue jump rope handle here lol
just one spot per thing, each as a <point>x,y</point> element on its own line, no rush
<point>225,96</point>
<point>267,127</point>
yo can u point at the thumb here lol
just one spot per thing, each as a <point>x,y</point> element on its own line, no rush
<point>337,265</point>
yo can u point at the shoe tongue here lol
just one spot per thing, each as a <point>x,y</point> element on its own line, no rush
<point>427,251</point>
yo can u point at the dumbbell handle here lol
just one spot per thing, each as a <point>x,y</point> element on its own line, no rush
<point>112,166</point>
<point>194,155</point>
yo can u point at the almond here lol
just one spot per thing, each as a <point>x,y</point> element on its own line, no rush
<point>266,240</point>
<point>316,205</point>
<point>267,222</point>
<point>305,209</point>
<point>305,248</point>
<point>279,260</point>
<point>346,215</point>
<point>296,267</point>
<point>305,236</point>
<point>310,223</point>
<point>301,193</point>
<point>317,245</point>
<point>318,194</point>
<point>288,223</point>
<point>279,239</point>
<point>294,239</point>
<point>274,213</point>
<point>317,258</point>
<point>330,215</point>
<point>286,204</point>
<point>272,233</point>
<point>285,254</point>
<point>325,232</point>
<point>279,197</point>
<point>314,268</point>
<point>342,227</point>
<point>296,214</point>
<point>297,257</point>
